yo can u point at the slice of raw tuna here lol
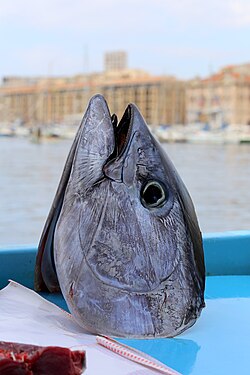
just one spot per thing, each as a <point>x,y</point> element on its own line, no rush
<point>23,359</point>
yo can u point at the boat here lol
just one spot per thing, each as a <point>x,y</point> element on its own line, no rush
<point>219,342</point>
<point>200,133</point>
<point>6,132</point>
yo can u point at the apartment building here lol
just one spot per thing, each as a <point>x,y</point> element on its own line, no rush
<point>58,100</point>
<point>221,98</point>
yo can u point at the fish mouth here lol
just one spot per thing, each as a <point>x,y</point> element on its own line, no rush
<point>103,141</point>
<point>122,132</point>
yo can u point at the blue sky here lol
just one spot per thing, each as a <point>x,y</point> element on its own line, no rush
<point>182,37</point>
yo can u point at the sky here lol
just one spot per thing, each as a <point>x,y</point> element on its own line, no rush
<point>185,38</point>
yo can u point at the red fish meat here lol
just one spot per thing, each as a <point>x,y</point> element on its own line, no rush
<point>23,359</point>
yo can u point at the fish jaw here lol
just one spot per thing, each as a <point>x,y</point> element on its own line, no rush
<point>96,144</point>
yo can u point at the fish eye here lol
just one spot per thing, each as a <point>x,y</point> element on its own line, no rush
<point>153,194</point>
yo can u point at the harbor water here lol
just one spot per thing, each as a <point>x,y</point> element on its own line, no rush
<point>217,177</point>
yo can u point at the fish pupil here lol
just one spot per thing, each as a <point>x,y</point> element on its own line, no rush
<point>153,195</point>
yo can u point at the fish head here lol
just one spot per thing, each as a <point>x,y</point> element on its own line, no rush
<point>125,252</point>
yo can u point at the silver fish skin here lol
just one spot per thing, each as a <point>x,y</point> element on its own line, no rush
<point>122,238</point>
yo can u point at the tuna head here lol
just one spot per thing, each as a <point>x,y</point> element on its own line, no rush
<point>122,236</point>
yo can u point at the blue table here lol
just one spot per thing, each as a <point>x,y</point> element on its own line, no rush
<point>219,343</point>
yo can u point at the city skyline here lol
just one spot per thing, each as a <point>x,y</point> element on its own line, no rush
<point>184,39</point>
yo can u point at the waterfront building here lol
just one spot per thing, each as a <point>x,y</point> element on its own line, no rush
<point>41,101</point>
<point>221,98</point>
<point>116,60</point>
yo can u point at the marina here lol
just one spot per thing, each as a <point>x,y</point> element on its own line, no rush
<point>190,133</point>
<point>216,176</point>
<point>203,134</point>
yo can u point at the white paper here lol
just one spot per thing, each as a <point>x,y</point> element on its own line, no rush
<point>28,318</point>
